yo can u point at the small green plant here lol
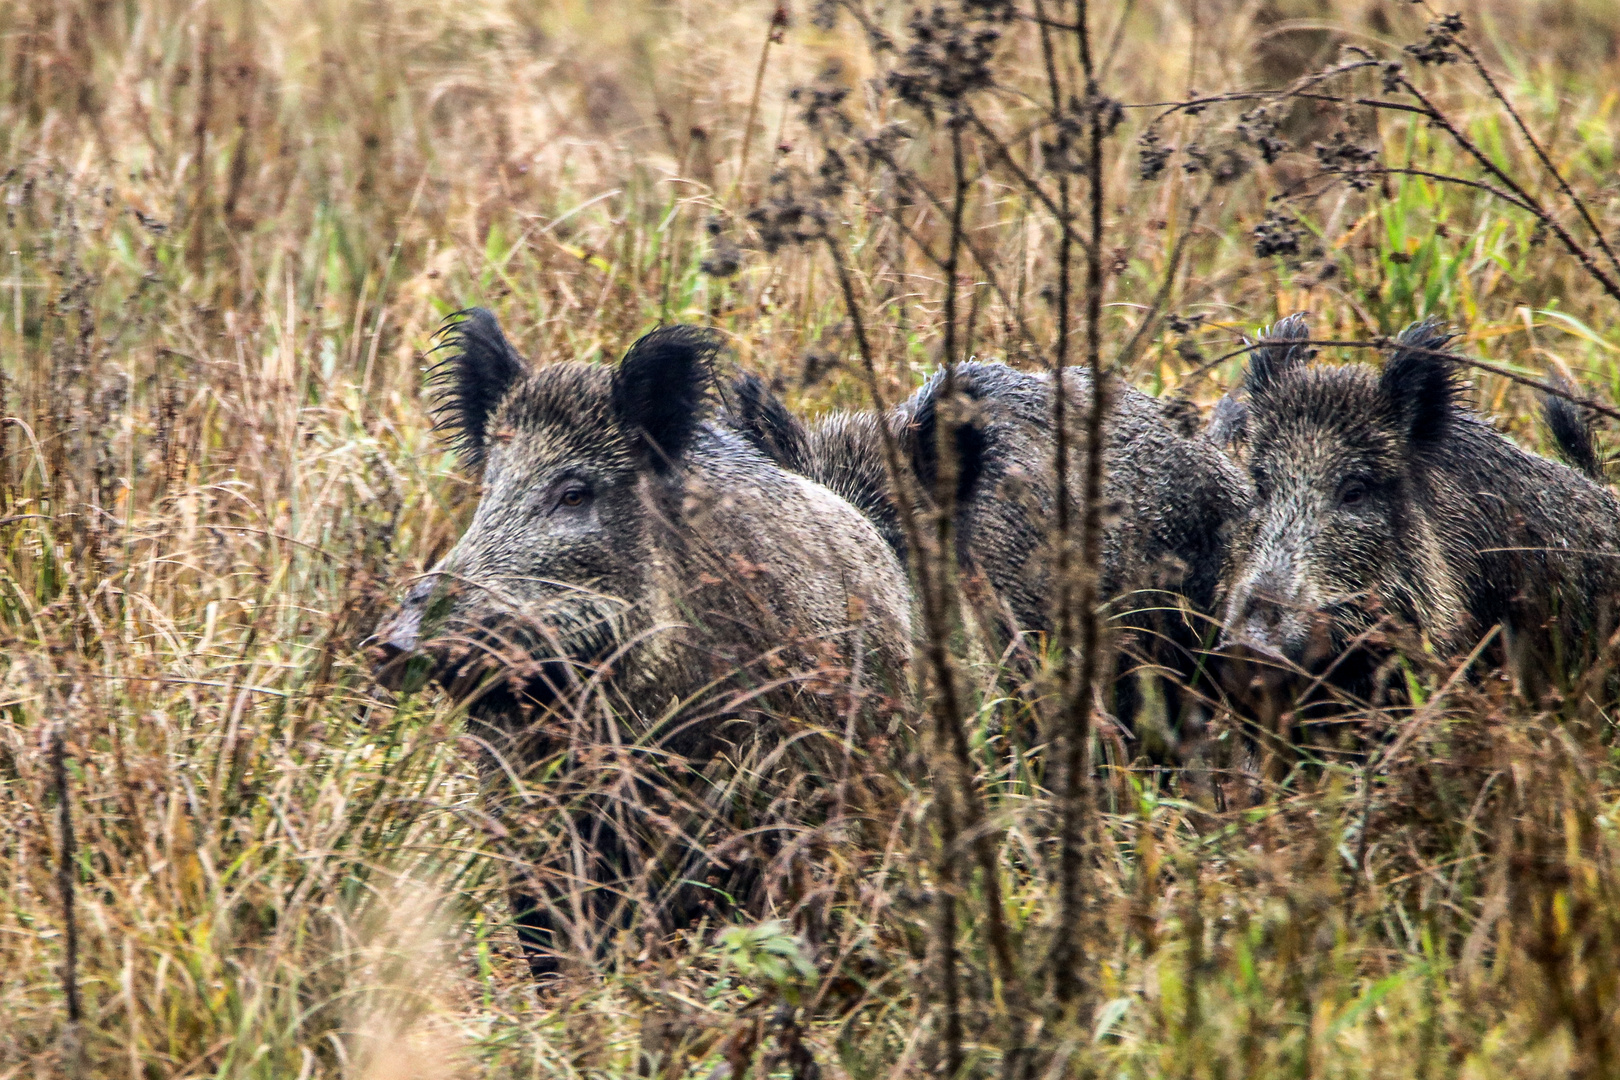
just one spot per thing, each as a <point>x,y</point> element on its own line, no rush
<point>768,954</point>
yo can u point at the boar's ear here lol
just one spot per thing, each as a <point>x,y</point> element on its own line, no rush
<point>1420,381</point>
<point>1571,431</point>
<point>661,389</point>
<point>969,442</point>
<point>480,368</point>
<point>1279,349</point>
<point>763,420</point>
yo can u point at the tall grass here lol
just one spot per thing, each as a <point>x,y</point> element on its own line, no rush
<point>230,228</point>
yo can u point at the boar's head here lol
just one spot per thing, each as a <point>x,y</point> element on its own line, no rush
<point>1344,531</point>
<point>538,590</point>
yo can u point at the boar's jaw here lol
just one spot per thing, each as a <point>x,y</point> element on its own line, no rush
<point>530,658</point>
<point>498,659</point>
<point>497,683</point>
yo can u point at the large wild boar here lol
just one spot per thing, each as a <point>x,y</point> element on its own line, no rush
<point>1380,496</point>
<point>643,609</point>
<point>1172,500</point>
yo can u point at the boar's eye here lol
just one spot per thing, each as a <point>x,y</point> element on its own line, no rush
<point>1353,493</point>
<point>574,495</point>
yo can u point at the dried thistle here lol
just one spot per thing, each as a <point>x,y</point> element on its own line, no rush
<point>1277,234</point>
<point>725,257</point>
<point>784,218</point>
<point>1342,157</point>
<point>1152,155</point>
<point>1437,47</point>
<point>950,54</point>
<point>1259,127</point>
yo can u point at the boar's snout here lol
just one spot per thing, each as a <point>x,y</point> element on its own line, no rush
<point>1270,616</point>
<point>398,636</point>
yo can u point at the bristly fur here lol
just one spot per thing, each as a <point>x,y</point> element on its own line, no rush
<point>1572,434</point>
<point>1276,350</point>
<point>479,370</point>
<point>1383,495</point>
<point>842,453</point>
<point>1422,380</point>
<point>1280,348</point>
<point>1228,422</point>
<point>969,441</point>
<point>636,572</point>
<point>762,419</point>
<point>661,391</point>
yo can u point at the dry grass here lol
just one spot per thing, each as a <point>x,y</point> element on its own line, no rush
<point>230,228</point>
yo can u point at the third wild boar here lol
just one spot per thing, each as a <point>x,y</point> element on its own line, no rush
<point>1382,495</point>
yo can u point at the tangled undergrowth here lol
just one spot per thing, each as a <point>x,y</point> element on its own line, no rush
<point>230,230</point>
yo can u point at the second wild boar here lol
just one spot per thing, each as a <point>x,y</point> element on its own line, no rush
<point>1171,501</point>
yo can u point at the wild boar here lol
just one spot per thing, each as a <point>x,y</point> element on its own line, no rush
<point>1172,501</point>
<point>639,584</point>
<point>1381,497</point>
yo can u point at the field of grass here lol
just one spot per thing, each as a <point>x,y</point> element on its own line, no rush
<point>230,230</point>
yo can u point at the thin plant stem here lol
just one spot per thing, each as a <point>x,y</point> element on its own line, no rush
<point>65,880</point>
<point>984,841</point>
<point>1609,284</point>
<point>772,35</point>
<point>1541,155</point>
<point>1068,953</point>
<point>1127,356</point>
<point>936,651</point>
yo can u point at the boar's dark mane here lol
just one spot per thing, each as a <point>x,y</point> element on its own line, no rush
<point>843,452</point>
<point>762,419</point>
<point>1228,422</point>
<point>479,370</point>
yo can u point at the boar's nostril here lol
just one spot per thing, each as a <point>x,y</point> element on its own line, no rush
<point>1258,623</point>
<point>1264,615</point>
<point>1260,632</point>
